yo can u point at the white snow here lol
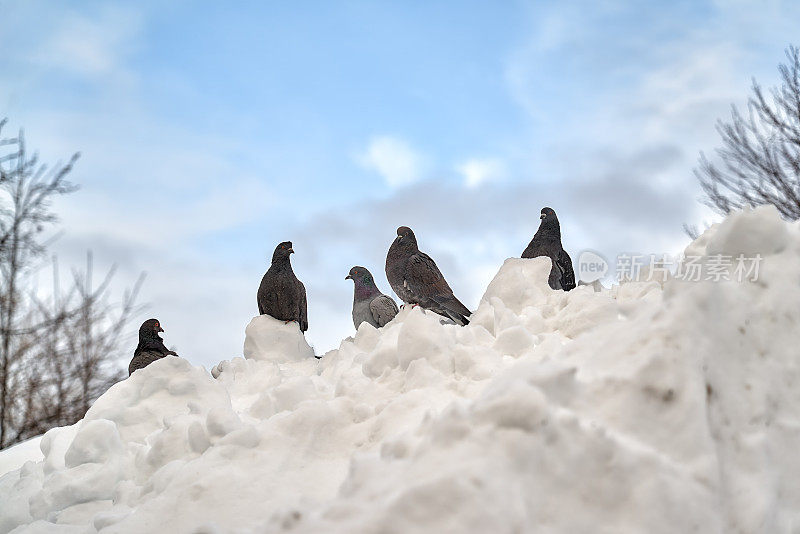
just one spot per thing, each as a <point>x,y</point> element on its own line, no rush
<point>13,457</point>
<point>641,408</point>
<point>271,340</point>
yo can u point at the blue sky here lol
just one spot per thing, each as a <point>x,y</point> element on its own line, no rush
<point>210,132</point>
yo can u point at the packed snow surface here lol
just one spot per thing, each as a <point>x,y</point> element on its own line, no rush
<point>646,407</point>
<point>14,457</point>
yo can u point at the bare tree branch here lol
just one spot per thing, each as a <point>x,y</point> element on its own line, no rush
<point>59,353</point>
<point>759,162</point>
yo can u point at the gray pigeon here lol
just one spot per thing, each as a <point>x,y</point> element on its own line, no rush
<point>281,295</point>
<point>369,304</point>
<point>417,280</point>
<point>151,346</point>
<point>547,242</point>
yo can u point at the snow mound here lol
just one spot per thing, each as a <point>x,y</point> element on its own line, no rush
<point>640,408</point>
<point>269,339</point>
<point>13,457</point>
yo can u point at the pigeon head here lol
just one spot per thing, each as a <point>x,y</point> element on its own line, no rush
<point>406,238</point>
<point>282,252</point>
<point>548,214</point>
<point>360,276</point>
<point>363,283</point>
<point>150,329</point>
<point>549,225</point>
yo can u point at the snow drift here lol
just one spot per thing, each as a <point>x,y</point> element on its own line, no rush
<point>643,408</point>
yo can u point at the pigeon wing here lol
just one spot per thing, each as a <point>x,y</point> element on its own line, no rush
<point>303,307</point>
<point>143,358</point>
<point>383,309</point>
<point>423,277</point>
<point>154,345</point>
<point>564,263</point>
<point>431,289</point>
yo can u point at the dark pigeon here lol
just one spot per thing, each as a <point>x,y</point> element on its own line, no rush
<point>417,280</point>
<point>151,346</point>
<point>547,242</point>
<point>281,295</point>
<point>369,304</point>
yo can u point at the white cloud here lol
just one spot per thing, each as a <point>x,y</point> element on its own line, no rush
<point>480,170</point>
<point>93,45</point>
<point>397,162</point>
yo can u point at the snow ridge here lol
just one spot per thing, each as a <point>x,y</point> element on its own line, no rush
<point>648,407</point>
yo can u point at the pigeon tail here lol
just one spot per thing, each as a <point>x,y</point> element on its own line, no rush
<point>450,307</point>
<point>456,318</point>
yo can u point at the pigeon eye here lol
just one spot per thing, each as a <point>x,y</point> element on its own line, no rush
<point>157,324</point>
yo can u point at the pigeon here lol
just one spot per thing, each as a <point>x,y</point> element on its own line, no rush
<point>417,280</point>
<point>369,304</point>
<point>151,346</point>
<point>281,295</point>
<point>547,242</point>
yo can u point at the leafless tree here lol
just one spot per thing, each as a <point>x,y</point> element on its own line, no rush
<point>759,162</point>
<point>57,351</point>
<point>72,353</point>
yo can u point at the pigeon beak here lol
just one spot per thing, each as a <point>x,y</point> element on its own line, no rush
<point>291,251</point>
<point>348,277</point>
<point>542,216</point>
<point>160,329</point>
